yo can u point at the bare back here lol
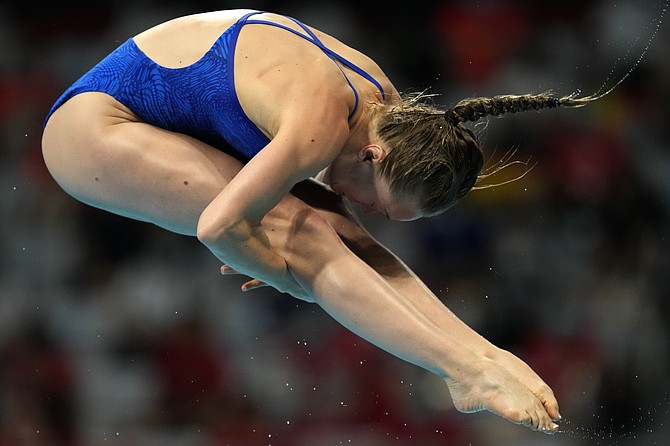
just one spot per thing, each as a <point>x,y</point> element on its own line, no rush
<point>273,67</point>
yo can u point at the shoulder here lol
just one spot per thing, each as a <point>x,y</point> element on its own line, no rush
<point>316,128</point>
<point>293,85</point>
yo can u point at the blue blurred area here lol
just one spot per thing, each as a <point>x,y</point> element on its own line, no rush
<point>115,332</point>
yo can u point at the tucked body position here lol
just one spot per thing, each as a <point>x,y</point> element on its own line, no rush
<point>254,132</point>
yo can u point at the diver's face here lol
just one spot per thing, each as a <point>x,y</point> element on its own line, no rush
<point>373,194</point>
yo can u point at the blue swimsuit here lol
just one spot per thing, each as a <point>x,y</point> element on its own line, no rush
<point>198,100</point>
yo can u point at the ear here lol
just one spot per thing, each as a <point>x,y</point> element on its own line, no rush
<point>372,153</point>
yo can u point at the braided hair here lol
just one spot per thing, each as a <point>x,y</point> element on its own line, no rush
<point>474,109</point>
<point>432,157</point>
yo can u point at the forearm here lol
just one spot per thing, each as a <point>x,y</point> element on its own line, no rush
<point>243,247</point>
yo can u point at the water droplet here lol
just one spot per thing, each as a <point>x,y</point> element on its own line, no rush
<point>598,94</point>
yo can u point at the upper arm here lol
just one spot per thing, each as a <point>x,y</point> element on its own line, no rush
<point>306,142</point>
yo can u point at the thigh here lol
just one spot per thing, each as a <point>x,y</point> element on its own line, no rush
<point>103,155</point>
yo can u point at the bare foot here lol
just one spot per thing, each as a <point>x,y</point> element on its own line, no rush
<point>497,390</point>
<point>530,379</point>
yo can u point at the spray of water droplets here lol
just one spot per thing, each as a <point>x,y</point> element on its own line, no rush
<point>604,90</point>
<point>607,432</point>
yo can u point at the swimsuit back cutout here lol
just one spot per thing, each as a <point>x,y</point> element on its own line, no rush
<point>198,100</point>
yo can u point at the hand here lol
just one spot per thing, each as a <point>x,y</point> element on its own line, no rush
<point>247,286</point>
<point>496,389</point>
<point>255,283</point>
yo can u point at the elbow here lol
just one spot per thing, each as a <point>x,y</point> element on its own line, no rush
<point>212,230</point>
<point>207,234</point>
<point>207,231</point>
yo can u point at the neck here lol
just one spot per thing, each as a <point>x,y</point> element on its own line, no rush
<point>361,134</point>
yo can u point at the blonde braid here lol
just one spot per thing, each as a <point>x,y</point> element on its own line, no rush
<point>474,109</point>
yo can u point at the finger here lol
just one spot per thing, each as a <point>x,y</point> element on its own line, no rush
<point>225,270</point>
<point>253,284</point>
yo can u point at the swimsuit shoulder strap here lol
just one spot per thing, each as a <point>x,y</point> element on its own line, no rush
<point>311,37</point>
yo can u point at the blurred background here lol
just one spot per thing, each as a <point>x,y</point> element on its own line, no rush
<point>118,333</point>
